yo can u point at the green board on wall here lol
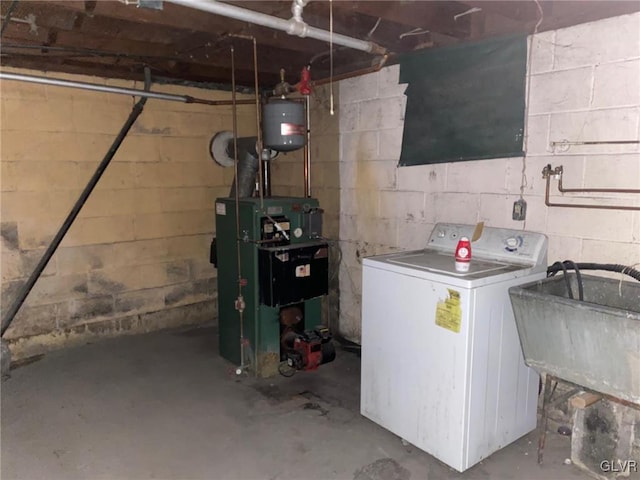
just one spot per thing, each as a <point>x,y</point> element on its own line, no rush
<point>464,102</point>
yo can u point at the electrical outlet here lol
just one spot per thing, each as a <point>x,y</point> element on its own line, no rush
<point>519,210</point>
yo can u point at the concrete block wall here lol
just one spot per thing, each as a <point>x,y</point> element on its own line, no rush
<point>136,259</point>
<point>585,86</point>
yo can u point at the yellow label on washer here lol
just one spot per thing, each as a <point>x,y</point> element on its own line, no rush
<point>449,312</point>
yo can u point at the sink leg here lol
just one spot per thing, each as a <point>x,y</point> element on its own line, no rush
<point>545,411</point>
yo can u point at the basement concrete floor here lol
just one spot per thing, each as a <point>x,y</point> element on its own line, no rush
<point>166,406</point>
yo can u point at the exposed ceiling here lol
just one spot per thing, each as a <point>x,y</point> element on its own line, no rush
<point>117,38</point>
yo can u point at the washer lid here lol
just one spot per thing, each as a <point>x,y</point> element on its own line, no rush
<point>445,263</point>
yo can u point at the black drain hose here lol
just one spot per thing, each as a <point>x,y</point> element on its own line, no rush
<point>609,267</point>
<point>569,265</point>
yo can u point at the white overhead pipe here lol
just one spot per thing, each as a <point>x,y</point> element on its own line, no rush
<point>294,26</point>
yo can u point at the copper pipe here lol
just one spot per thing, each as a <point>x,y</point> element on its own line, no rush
<point>219,102</point>
<point>355,73</point>
<point>240,299</point>
<point>259,146</point>
<point>307,150</point>
<point>548,203</point>
<point>595,190</point>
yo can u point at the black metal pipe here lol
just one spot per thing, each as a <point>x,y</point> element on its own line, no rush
<point>42,264</point>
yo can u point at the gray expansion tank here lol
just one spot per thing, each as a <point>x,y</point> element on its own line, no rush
<point>284,125</point>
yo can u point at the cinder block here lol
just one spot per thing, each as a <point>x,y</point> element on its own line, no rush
<point>358,88</point>
<point>329,173</point>
<point>598,251</point>
<point>513,172</point>
<point>496,210</point>
<point>388,85</point>
<point>353,252</point>
<point>382,113</point>
<point>564,247</point>
<point>17,264</point>
<point>537,137</point>
<point>413,236</point>
<point>57,288</point>
<point>10,236</point>
<point>191,314</point>
<point>592,43</point>
<point>324,148</point>
<point>36,116</point>
<point>182,149</point>
<point>201,268</point>
<point>39,176</point>
<point>187,198</point>
<point>173,224</point>
<point>560,91</point>
<point>161,174</point>
<point>350,316</point>
<point>177,271</point>
<point>137,301</point>
<point>191,292</point>
<point>322,121</point>
<point>369,174</point>
<point>114,280</point>
<point>88,308</point>
<point>405,206</point>
<point>189,246</point>
<point>107,202</point>
<point>477,176</point>
<point>23,91</point>
<point>425,178</point>
<point>38,233</point>
<point>83,259</point>
<point>53,146</point>
<point>613,124</point>
<point>380,231</point>
<point>89,231</point>
<point>194,124</point>
<point>9,176</point>
<point>157,123</point>
<point>97,117</point>
<point>118,175</point>
<point>612,171</point>
<point>617,84</point>
<point>349,228</point>
<point>453,207</point>
<point>329,199</point>
<point>359,202</point>
<point>332,225</point>
<point>35,320</point>
<point>350,117</point>
<point>614,225</point>
<point>139,252</point>
<point>201,174</point>
<point>17,205</point>
<point>390,143</point>
<point>602,440</point>
<point>541,50</point>
<point>140,148</point>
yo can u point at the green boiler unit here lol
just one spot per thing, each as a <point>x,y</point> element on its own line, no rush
<point>273,265</point>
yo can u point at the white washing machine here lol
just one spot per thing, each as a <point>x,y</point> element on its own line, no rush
<point>442,365</point>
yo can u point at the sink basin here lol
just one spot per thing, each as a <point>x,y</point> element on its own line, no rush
<point>594,343</point>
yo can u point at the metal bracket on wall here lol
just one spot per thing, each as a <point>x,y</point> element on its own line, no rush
<point>548,172</point>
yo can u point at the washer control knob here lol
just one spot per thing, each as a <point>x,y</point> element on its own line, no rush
<point>512,243</point>
<point>297,232</point>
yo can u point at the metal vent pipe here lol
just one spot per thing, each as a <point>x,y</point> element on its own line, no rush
<point>293,26</point>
